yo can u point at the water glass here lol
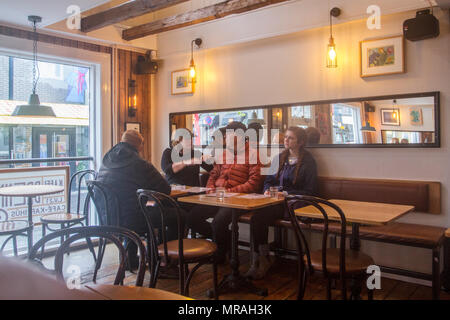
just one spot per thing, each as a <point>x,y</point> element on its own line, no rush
<point>220,194</point>
<point>273,192</point>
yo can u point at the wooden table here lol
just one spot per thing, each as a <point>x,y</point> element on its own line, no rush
<point>30,192</point>
<point>238,205</point>
<point>184,192</point>
<point>357,213</point>
<point>112,292</point>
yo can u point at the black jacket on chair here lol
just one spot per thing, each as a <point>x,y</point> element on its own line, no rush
<point>124,172</point>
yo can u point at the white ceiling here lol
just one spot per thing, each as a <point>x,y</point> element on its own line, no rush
<point>17,11</point>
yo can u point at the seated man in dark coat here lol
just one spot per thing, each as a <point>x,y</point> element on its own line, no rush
<point>124,172</point>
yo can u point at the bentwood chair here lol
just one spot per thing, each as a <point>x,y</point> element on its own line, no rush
<point>334,263</point>
<point>107,207</point>
<point>181,251</point>
<point>110,234</point>
<point>72,217</point>
<point>12,229</point>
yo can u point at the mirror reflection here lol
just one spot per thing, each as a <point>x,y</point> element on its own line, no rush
<point>395,121</point>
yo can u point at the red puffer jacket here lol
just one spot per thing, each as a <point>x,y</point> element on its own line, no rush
<point>242,178</point>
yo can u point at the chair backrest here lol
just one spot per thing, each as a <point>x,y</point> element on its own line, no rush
<point>106,203</point>
<point>112,234</point>
<point>77,181</point>
<point>293,202</point>
<point>160,202</point>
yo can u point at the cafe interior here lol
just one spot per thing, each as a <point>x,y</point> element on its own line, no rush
<point>366,81</point>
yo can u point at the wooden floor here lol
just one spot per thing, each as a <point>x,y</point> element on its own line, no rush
<point>281,281</point>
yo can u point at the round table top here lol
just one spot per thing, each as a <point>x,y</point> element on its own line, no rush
<point>30,190</point>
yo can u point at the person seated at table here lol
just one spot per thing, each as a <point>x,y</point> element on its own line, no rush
<point>124,172</point>
<point>184,172</point>
<point>297,175</point>
<point>234,177</point>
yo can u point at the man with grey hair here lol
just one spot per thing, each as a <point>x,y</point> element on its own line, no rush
<point>124,172</point>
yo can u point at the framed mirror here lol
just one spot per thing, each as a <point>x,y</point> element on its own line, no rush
<point>393,121</point>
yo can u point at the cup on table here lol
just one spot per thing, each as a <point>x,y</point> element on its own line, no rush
<point>273,192</point>
<point>220,193</point>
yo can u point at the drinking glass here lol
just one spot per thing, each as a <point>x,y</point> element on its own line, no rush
<point>273,192</point>
<point>220,194</point>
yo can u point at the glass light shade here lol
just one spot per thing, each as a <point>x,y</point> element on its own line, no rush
<point>192,72</point>
<point>331,54</point>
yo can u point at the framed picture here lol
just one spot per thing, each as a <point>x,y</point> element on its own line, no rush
<point>180,82</point>
<point>133,126</point>
<point>415,115</point>
<point>382,56</point>
<point>390,117</point>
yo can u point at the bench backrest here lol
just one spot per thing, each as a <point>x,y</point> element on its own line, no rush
<point>423,195</point>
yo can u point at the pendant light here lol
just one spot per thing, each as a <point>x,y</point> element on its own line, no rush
<point>34,107</point>
<point>192,71</point>
<point>331,51</point>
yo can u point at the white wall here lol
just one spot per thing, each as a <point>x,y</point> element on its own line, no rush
<point>291,68</point>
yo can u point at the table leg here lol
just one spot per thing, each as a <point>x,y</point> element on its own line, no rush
<point>236,281</point>
<point>30,222</point>
<point>355,244</point>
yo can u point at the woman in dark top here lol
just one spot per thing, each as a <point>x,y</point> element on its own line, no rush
<point>183,172</point>
<point>296,174</point>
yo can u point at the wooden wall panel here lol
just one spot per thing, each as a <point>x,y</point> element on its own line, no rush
<point>126,62</point>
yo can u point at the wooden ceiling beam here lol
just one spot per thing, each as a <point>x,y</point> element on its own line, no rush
<point>209,13</point>
<point>123,12</point>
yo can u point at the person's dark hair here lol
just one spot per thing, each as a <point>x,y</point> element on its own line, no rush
<point>313,136</point>
<point>301,136</point>
<point>256,126</point>
<point>234,125</point>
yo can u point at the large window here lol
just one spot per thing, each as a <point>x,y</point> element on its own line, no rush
<point>64,87</point>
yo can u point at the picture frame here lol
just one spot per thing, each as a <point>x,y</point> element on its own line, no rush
<point>180,82</point>
<point>133,126</point>
<point>382,56</point>
<point>390,117</point>
<point>416,116</point>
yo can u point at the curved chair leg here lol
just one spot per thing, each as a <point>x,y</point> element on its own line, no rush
<point>216,291</point>
<point>154,274</point>
<point>182,276</point>
<point>101,251</point>
<point>91,248</point>
<point>14,239</point>
<point>189,277</point>
<point>43,235</point>
<point>328,288</point>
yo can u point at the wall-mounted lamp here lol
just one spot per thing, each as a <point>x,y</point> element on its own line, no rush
<point>331,51</point>
<point>132,98</point>
<point>192,72</point>
<point>368,108</point>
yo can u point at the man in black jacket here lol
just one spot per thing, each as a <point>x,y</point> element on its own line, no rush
<point>124,172</point>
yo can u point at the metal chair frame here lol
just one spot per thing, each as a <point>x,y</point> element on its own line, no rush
<point>156,259</point>
<point>111,234</point>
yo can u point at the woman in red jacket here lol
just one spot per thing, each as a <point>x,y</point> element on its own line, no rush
<point>235,173</point>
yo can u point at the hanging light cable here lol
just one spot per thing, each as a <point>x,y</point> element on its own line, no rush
<point>34,107</point>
